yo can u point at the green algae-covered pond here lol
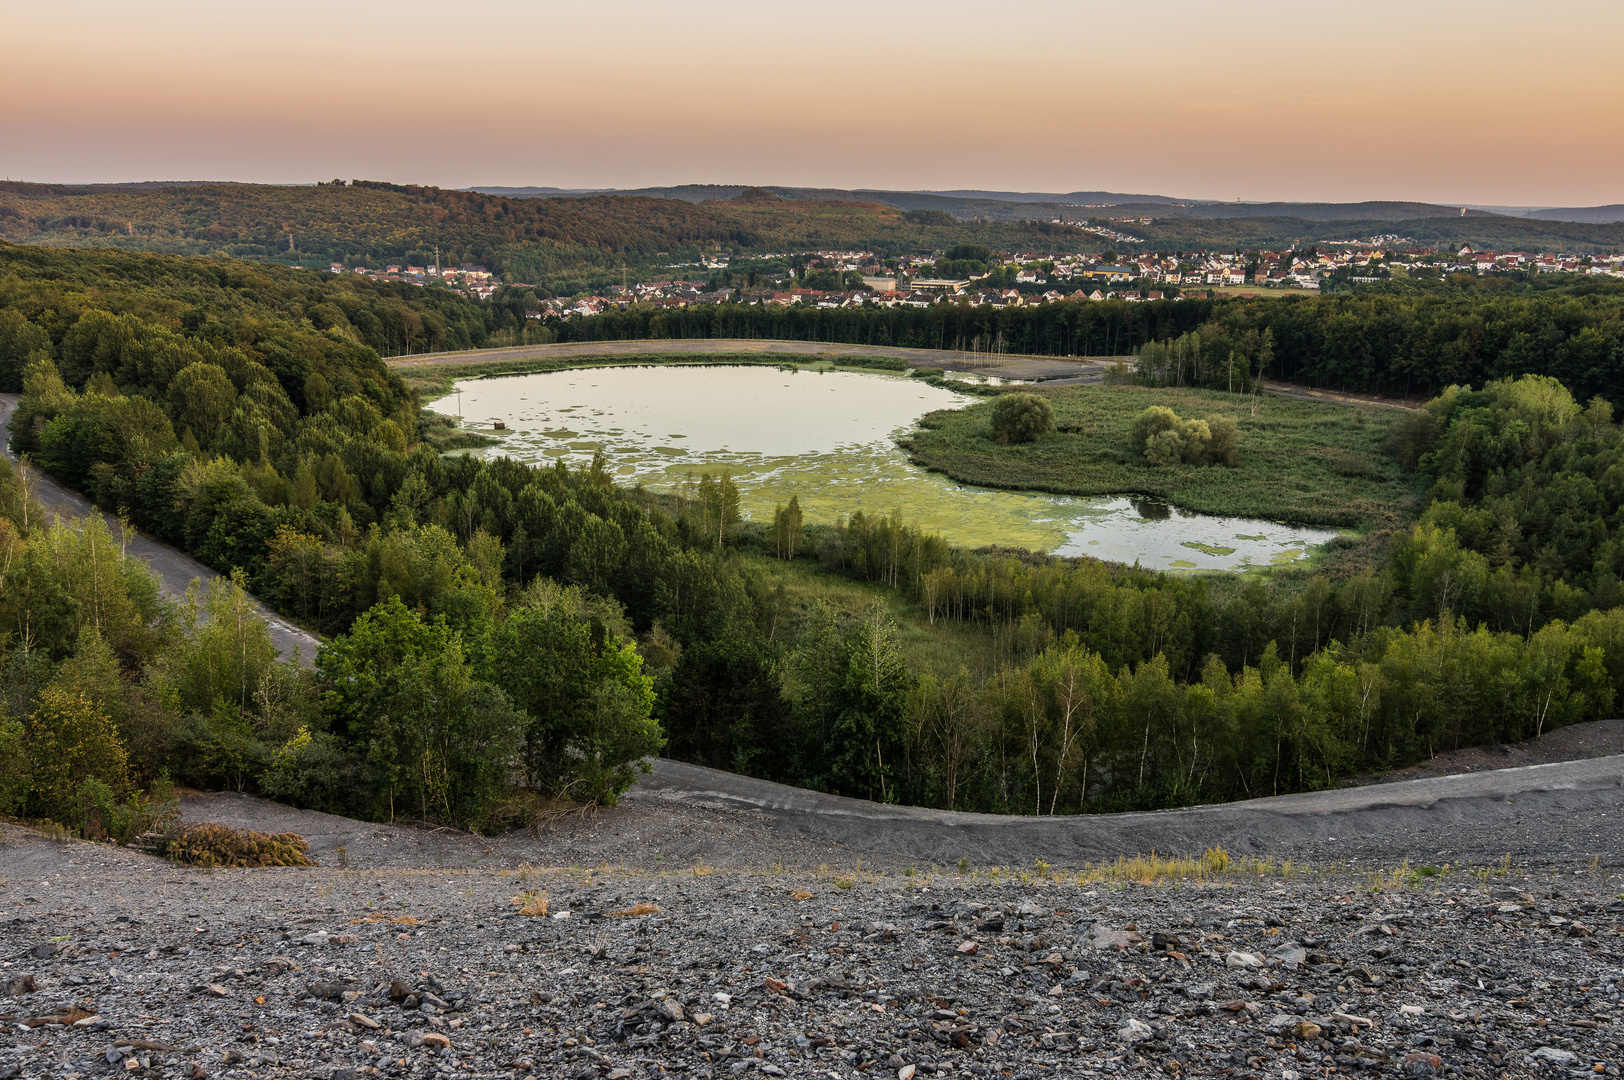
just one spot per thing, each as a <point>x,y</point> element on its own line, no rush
<point>827,437</point>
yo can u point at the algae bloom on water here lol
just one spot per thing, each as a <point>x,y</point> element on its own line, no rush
<point>828,438</point>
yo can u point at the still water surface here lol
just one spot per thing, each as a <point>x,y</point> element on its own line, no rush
<point>827,438</point>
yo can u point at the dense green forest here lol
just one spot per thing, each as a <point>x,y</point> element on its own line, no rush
<point>295,322</point>
<point>502,634</point>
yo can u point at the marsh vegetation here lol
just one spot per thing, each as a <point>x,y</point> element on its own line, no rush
<point>1317,463</point>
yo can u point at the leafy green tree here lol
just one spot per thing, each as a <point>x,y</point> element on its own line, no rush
<point>21,343</point>
<point>852,689</point>
<point>1021,418</point>
<point>950,722</point>
<point>14,771</point>
<point>723,706</point>
<point>1075,688</point>
<point>70,741</point>
<point>582,686</point>
<point>430,571</point>
<point>225,651</point>
<point>788,529</point>
<point>201,398</point>
<point>436,743</point>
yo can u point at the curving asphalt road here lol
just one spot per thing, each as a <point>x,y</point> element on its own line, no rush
<point>176,571</point>
<point>1562,812</point>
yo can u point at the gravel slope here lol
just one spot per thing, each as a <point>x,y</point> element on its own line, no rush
<point>114,963</point>
<point>790,934</point>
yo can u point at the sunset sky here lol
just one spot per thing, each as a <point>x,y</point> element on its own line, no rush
<point>1486,102</point>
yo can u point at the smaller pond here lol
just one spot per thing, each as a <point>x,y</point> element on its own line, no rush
<point>828,438</point>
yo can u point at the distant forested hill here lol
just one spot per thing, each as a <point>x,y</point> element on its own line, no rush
<point>570,243</point>
<point>295,322</point>
<point>1446,233</point>
<point>531,239</point>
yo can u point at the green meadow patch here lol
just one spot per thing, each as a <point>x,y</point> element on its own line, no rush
<point>1309,462</point>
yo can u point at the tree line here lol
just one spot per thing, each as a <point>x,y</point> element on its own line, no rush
<point>1414,344</point>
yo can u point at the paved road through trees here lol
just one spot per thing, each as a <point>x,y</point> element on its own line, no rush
<point>176,571</point>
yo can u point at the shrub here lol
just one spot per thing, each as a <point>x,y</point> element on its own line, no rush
<point>1021,418</point>
<point>13,766</point>
<point>1164,439</point>
<point>103,816</point>
<point>1225,447</point>
<point>314,771</point>
<point>879,363</point>
<point>928,373</point>
<point>70,740</point>
<point>224,846</point>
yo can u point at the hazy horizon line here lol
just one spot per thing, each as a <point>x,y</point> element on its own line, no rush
<point>991,193</point>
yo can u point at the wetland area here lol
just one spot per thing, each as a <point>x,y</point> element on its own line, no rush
<point>829,437</point>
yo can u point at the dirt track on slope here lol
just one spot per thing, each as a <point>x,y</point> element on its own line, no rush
<point>1559,814</point>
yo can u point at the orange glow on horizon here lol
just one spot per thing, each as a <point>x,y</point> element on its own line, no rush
<point>1445,101</point>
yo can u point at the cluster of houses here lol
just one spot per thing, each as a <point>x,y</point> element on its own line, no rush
<point>474,280</point>
<point>1485,261</point>
<point>1039,278</point>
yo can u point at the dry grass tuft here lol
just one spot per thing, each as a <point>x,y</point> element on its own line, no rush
<point>533,904</point>
<point>800,894</point>
<point>639,908</point>
<point>1216,863</point>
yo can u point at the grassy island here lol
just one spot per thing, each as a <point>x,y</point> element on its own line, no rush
<point>1312,462</point>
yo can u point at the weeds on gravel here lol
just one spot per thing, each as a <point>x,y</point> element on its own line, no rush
<point>532,904</point>
<point>382,917</point>
<point>1153,869</point>
<point>642,907</point>
<point>57,834</point>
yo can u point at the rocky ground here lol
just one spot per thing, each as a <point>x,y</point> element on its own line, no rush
<point>737,939</point>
